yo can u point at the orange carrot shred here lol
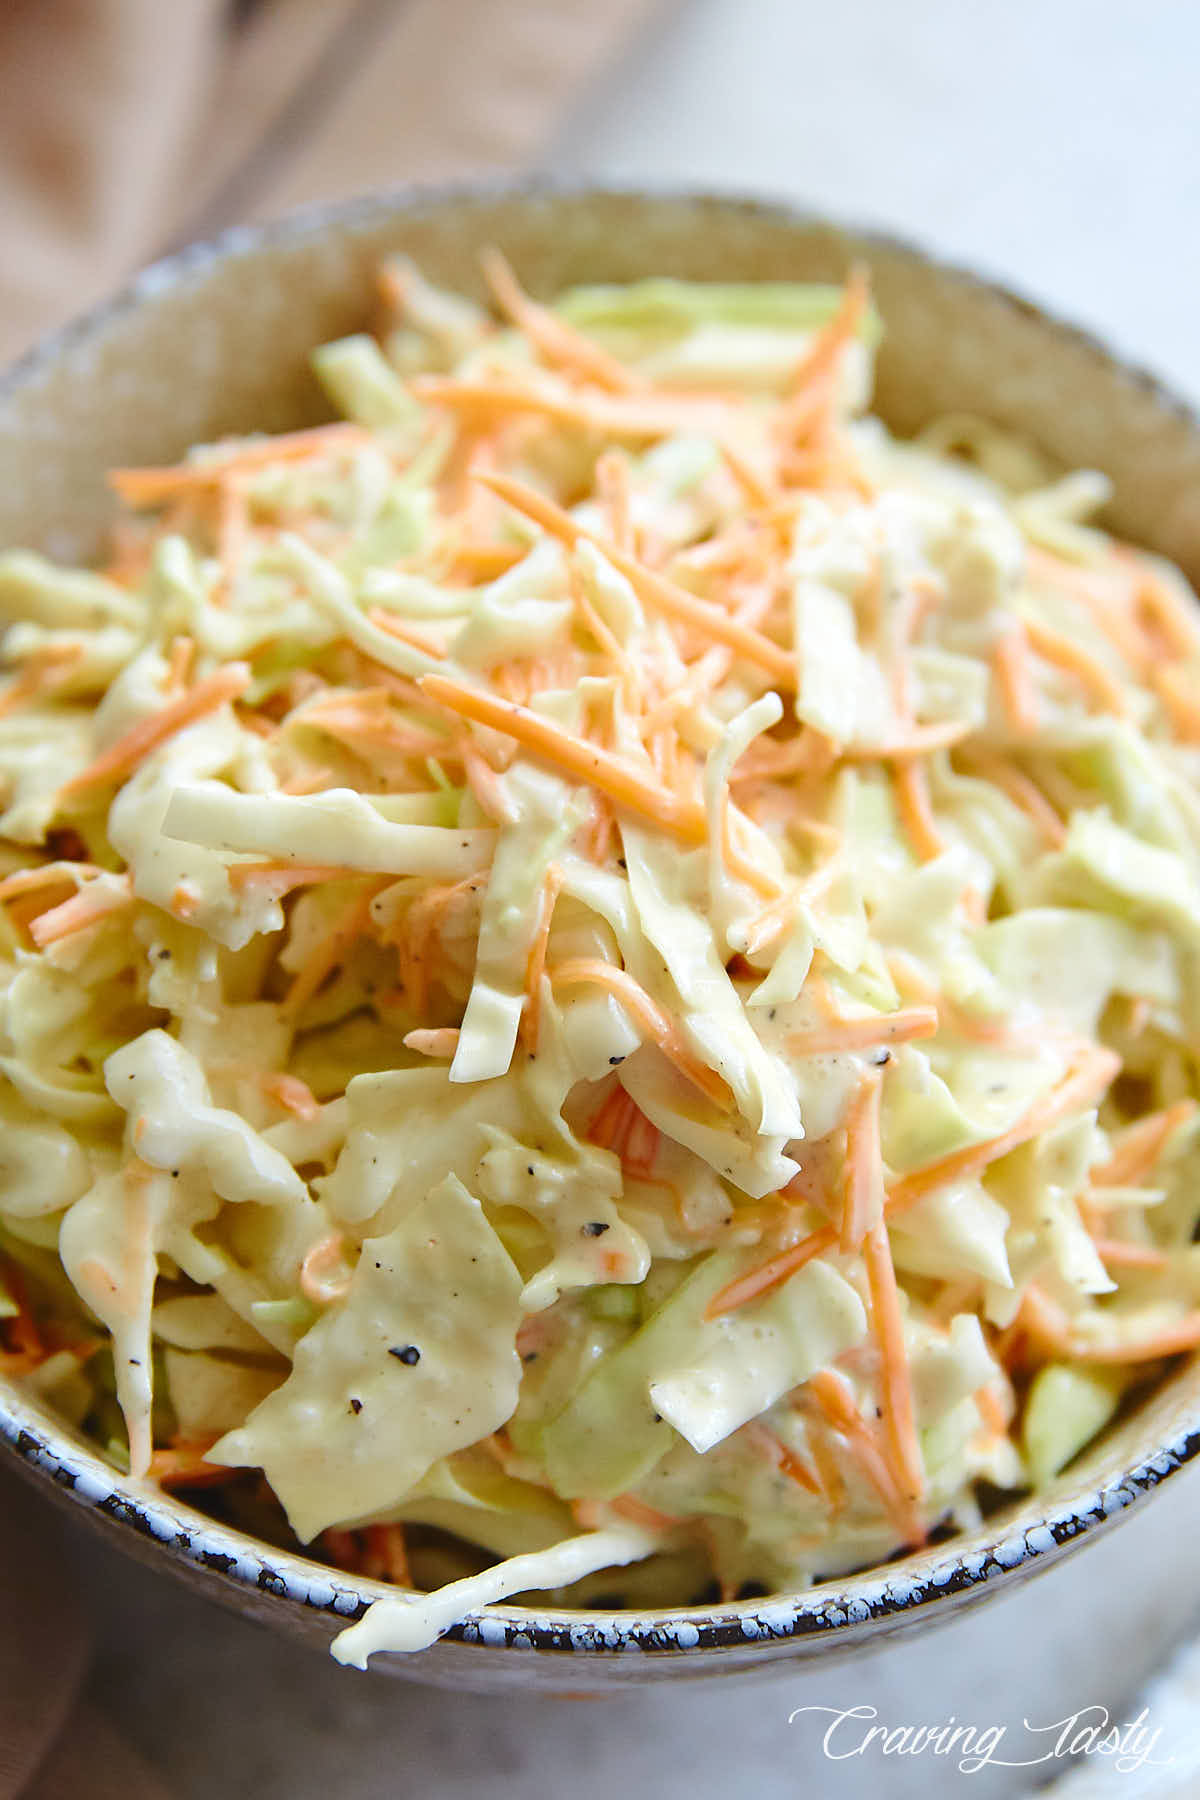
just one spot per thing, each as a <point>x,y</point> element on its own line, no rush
<point>911,782</point>
<point>136,744</point>
<point>843,1035</point>
<point>863,1204</point>
<point>1139,1147</point>
<point>628,786</point>
<point>899,1414</point>
<point>1064,653</point>
<point>649,1015</point>
<point>1014,678</point>
<point>654,590</point>
<point>558,342</point>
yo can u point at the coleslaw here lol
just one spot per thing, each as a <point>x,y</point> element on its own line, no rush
<point>598,961</point>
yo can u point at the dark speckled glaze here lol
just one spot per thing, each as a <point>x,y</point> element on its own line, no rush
<point>215,340</point>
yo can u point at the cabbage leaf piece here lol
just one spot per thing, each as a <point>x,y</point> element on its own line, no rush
<point>700,1377</point>
<point>418,1360</point>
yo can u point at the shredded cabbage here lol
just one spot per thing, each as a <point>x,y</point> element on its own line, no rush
<point>599,961</point>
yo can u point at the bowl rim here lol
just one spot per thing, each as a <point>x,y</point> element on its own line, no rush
<point>969,1565</point>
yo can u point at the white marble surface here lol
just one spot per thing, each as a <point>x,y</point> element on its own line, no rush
<point>1053,142</point>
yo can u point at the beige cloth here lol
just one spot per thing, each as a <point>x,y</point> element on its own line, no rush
<point>128,126</point>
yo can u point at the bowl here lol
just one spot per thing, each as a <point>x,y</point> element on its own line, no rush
<point>216,340</point>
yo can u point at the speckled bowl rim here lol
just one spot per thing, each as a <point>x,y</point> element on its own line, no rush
<point>920,1587</point>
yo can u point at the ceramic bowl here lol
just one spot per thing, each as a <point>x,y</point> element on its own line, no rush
<point>216,340</point>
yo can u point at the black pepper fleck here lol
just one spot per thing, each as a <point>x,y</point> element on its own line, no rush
<point>595,1228</point>
<point>530,1356</point>
<point>405,1353</point>
<point>529,1168</point>
<point>614,1060</point>
<point>355,1405</point>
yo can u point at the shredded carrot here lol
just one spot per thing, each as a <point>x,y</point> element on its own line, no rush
<point>1064,653</point>
<point>308,781</point>
<point>535,965</point>
<point>184,1465</point>
<point>649,1015</point>
<point>1085,1082</point>
<point>918,741</point>
<point>484,562</point>
<point>628,786</point>
<point>1172,1340</point>
<point>1082,1085</point>
<point>1023,792</point>
<point>26,1347</point>
<point>754,1283</point>
<point>439,1042</point>
<point>1119,1253</point>
<point>558,342</point>
<point>898,1409</point>
<point>319,1260</point>
<point>1108,601</point>
<point>788,1462</point>
<point>992,1410</point>
<point>87,907</point>
<point>828,1474</point>
<point>1174,617</point>
<point>1043,1325</point>
<point>653,590</point>
<point>862,1207</point>
<point>1139,1147</point>
<point>136,744</point>
<point>820,360</point>
<point>179,663</point>
<point>833,1396</point>
<point>628,1506</point>
<point>279,878</point>
<point>622,1127</point>
<point>776,917</point>
<point>233,534</point>
<point>386,1555</point>
<point>484,782</point>
<point>1177,689</point>
<point>349,925</point>
<point>911,782</point>
<point>1014,678</point>
<point>41,674</point>
<point>974,905</point>
<point>406,632</point>
<point>151,486</point>
<point>294,1095</point>
<point>53,874</point>
<point>758,491</point>
<point>744,866</point>
<point>633,416</point>
<point>845,1035</point>
<point>343,1549</point>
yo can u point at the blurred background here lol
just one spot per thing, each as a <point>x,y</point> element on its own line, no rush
<point>1052,143</point>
